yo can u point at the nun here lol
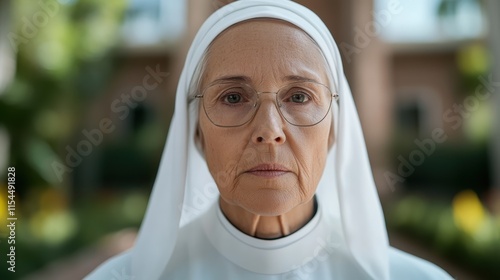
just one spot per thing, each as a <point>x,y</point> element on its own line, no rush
<point>265,173</point>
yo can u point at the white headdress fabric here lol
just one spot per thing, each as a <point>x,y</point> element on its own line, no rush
<point>184,186</point>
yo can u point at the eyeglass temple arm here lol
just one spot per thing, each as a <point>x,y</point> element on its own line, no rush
<point>335,95</point>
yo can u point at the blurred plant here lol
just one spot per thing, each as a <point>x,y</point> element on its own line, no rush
<point>51,231</point>
<point>3,210</point>
<point>463,231</point>
<point>64,55</point>
<point>468,212</point>
<point>62,60</point>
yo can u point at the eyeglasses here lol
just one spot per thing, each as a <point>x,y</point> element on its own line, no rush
<point>230,104</point>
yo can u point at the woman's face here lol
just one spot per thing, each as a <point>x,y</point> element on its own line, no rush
<point>266,166</point>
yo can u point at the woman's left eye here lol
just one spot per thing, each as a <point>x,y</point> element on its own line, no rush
<point>299,97</point>
<point>232,98</point>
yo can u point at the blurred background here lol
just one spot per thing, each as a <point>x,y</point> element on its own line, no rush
<point>87,90</point>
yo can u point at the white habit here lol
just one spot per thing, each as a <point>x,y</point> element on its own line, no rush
<point>211,248</point>
<point>184,235</point>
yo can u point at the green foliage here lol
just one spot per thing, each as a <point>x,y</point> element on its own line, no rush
<point>63,59</point>
<point>433,225</point>
<point>47,233</point>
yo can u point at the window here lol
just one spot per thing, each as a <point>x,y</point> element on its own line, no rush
<point>420,21</point>
<point>150,22</point>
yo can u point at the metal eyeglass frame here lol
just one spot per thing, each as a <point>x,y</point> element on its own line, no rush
<point>277,104</point>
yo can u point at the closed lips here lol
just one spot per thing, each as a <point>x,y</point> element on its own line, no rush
<point>268,170</point>
<point>269,167</point>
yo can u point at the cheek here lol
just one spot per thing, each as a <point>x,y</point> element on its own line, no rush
<point>311,156</point>
<point>222,155</point>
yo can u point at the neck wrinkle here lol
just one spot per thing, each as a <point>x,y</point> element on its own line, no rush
<point>284,226</point>
<point>271,227</point>
<point>255,224</point>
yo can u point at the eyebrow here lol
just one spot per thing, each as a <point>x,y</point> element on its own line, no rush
<point>296,78</point>
<point>246,79</point>
<point>241,79</point>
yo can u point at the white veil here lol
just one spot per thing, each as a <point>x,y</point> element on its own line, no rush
<point>183,185</point>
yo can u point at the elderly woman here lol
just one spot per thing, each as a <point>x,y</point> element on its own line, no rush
<point>265,114</point>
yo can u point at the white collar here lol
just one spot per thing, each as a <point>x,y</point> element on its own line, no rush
<point>184,183</point>
<point>266,256</point>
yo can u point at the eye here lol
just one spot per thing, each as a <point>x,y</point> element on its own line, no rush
<point>299,97</point>
<point>232,98</point>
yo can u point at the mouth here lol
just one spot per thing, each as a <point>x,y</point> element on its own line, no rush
<point>268,170</point>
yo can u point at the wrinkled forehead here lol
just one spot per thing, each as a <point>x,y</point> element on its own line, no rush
<point>265,45</point>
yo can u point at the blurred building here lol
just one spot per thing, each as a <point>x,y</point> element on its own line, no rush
<point>402,89</point>
<point>138,99</point>
<point>408,86</point>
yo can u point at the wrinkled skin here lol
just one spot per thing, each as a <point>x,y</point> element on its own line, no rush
<point>268,54</point>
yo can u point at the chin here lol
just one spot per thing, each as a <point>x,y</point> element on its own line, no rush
<point>269,202</point>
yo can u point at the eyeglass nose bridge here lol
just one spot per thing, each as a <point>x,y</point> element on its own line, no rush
<point>258,101</point>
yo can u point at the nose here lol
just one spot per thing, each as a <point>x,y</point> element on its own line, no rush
<point>268,123</point>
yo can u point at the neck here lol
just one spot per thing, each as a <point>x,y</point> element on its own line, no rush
<point>268,227</point>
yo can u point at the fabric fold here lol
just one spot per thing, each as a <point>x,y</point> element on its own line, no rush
<point>184,188</point>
